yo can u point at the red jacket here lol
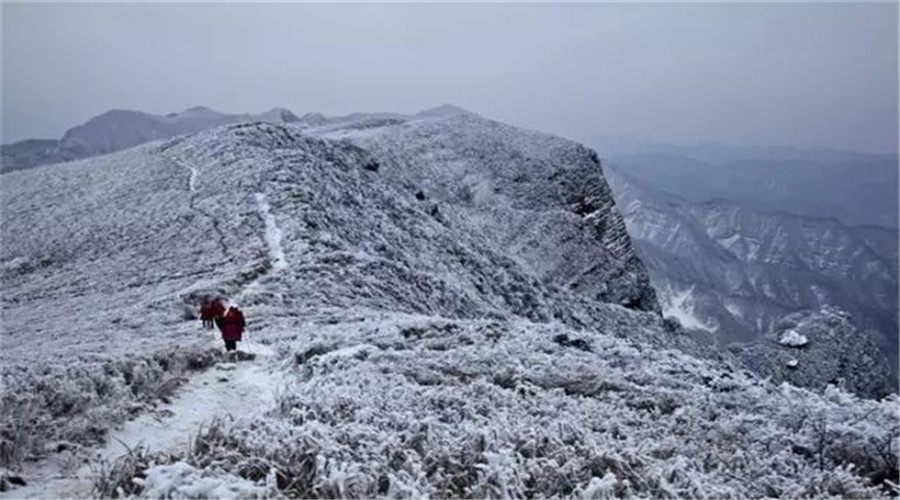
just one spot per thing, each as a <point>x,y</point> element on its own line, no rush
<point>216,309</point>
<point>206,312</point>
<point>233,324</point>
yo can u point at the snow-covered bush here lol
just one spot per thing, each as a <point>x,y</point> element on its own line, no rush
<point>182,481</point>
<point>126,476</point>
<point>383,412</point>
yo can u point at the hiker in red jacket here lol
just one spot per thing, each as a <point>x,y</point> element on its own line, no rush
<point>210,310</point>
<point>232,327</point>
<point>206,314</point>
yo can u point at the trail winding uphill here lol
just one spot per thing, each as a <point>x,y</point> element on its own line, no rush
<point>229,390</point>
<point>241,386</point>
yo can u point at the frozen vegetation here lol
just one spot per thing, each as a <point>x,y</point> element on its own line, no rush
<point>439,305</point>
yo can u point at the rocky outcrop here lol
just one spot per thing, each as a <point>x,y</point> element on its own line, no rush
<point>539,199</point>
<point>816,348</point>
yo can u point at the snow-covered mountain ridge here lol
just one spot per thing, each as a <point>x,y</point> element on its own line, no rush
<point>453,303</point>
<point>120,129</point>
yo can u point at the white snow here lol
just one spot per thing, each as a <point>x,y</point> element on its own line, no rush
<point>192,181</point>
<point>241,389</point>
<point>793,339</point>
<point>182,481</point>
<point>421,334</point>
<point>680,305</point>
<point>273,234</point>
<point>733,309</point>
<point>235,389</point>
<point>793,363</point>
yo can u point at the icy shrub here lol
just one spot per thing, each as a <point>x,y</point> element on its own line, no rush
<point>126,476</point>
<point>521,415</point>
<point>313,350</point>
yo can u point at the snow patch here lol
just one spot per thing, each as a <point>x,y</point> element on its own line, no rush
<point>181,480</point>
<point>734,310</point>
<point>241,389</point>
<point>192,182</point>
<point>793,339</point>
<point>680,305</point>
<point>273,234</point>
<point>234,389</point>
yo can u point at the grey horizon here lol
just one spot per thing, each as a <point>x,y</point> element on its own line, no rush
<point>803,75</point>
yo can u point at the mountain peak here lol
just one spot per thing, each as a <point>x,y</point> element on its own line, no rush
<point>280,114</point>
<point>200,109</point>
<point>444,110</point>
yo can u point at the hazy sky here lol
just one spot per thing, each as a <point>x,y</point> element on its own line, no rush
<point>798,74</point>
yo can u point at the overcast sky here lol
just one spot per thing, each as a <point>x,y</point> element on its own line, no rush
<point>799,74</point>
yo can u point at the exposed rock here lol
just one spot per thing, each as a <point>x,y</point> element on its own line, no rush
<point>791,338</point>
<point>816,348</point>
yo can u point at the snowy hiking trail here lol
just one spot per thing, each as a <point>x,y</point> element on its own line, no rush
<point>192,182</point>
<point>192,187</point>
<point>227,389</point>
<point>273,244</point>
<point>272,235</point>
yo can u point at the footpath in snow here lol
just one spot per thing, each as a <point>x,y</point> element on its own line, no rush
<point>192,182</point>
<point>273,243</point>
<point>229,389</point>
<point>236,389</point>
<point>273,234</point>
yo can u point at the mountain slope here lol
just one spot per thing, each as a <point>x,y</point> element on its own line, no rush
<point>722,267</point>
<point>452,305</point>
<point>105,257</point>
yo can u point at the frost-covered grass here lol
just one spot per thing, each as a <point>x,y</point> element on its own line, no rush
<point>448,293</point>
<point>49,408</point>
<point>405,407</point>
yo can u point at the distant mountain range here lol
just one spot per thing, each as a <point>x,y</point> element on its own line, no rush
<point>858,189</point>
<point>732,268</point>
<point>120,129</point>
